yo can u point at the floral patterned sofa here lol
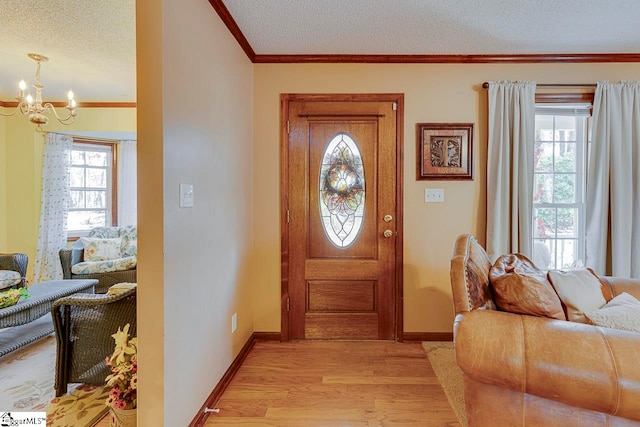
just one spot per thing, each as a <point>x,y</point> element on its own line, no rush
<point>108,254</point>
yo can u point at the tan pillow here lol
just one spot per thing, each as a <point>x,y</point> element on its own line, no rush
<point>520,287</point>
<point>622,312</point>
<point>579,291</point>
<point>119,288</point>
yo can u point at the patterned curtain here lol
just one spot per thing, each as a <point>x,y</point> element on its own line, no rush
<point>52,233</point>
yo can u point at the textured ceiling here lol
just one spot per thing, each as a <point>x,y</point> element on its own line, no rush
<point>90,45</point>
<point>438,26</point>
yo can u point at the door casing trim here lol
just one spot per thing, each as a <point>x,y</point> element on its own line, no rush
<point>285,99</point>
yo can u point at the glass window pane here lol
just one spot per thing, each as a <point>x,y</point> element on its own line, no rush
<point>77,157</point>
<point>567,253</point>
<point>543,189</point>
<point>96,199</point>
<point>77,199</point>
<point>558,179</point>
<point>97,158</point>
<point>565,128</point>
<point>564,188</point>
<point>544,128</point>
<point>96,178</point>
<point>565,157</point>
<point>85,220</point>
<point>77,177</point>
<point>342,191</point>
<point>545,222</point>
<point>543,253</point>
<point>566,222</point>
<point>543,157</point>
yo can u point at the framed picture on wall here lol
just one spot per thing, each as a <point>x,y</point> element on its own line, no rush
<point>444,151</point>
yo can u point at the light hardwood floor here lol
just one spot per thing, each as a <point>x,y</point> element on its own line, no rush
<point>334,383</point>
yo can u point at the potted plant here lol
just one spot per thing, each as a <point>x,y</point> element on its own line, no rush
<point>123,380</point>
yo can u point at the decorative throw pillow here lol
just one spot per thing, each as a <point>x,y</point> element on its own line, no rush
<point>9,278</point>
<point>520,287</point>
<point>579,291</point>
<point>99,249</point>
<point>129,246</point>
<point>622,312</point>
<point>119,288</point>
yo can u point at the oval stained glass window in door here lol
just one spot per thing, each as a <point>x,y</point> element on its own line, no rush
<point>342,190</point>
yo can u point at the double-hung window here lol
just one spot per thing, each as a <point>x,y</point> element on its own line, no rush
<point>560,159</point>
<point>92,186</point>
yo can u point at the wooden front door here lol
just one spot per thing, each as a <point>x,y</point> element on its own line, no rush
<point>341,217</point>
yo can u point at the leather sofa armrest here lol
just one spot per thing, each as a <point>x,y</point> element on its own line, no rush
<point>580,365</point>
<point>619,285</point>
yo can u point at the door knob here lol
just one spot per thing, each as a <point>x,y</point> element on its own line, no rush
<point>388,233</point>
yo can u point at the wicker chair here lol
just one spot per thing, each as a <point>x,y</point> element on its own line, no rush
<point>15,262</point>
<point>75,254</point>
<point>83,325</point>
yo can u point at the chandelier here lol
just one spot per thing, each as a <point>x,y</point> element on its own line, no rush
<point>34,108</point>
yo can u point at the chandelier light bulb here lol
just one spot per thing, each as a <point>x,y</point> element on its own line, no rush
<point>35,108</point>
<point>21,87</point>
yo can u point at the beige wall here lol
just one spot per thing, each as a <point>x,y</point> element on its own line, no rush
<point>150,276</point>
<point>22,148</point>
<point>433,93</point>
<point>195,98</point>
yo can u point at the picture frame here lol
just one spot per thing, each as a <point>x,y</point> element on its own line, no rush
<point>444,151</point>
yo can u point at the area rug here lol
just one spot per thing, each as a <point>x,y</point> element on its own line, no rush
<point>442,358</point>
<point>84,406</point>
<point>26,376</point>
<point>26,385</point>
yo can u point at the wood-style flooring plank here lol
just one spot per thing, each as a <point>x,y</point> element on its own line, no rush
<point>334,383</point>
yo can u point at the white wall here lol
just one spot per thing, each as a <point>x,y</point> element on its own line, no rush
<point>206,87</point>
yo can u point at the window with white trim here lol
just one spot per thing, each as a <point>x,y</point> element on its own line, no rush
<point>92,186</point>
<point>560,159</point>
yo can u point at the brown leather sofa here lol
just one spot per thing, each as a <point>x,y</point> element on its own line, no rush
<point>521,370</point>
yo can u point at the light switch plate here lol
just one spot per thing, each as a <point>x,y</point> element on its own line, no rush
<point>434,195</point>
<point>186,195</point>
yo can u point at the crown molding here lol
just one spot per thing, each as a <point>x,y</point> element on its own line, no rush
<point>449,59</point>
<point>80,104</point>
<point>231,24</point>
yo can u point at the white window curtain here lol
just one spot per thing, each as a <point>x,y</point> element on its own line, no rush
<point>613,181</point>
<point>54,205</point>
<point>510,168</point>
<point>127,183</point>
